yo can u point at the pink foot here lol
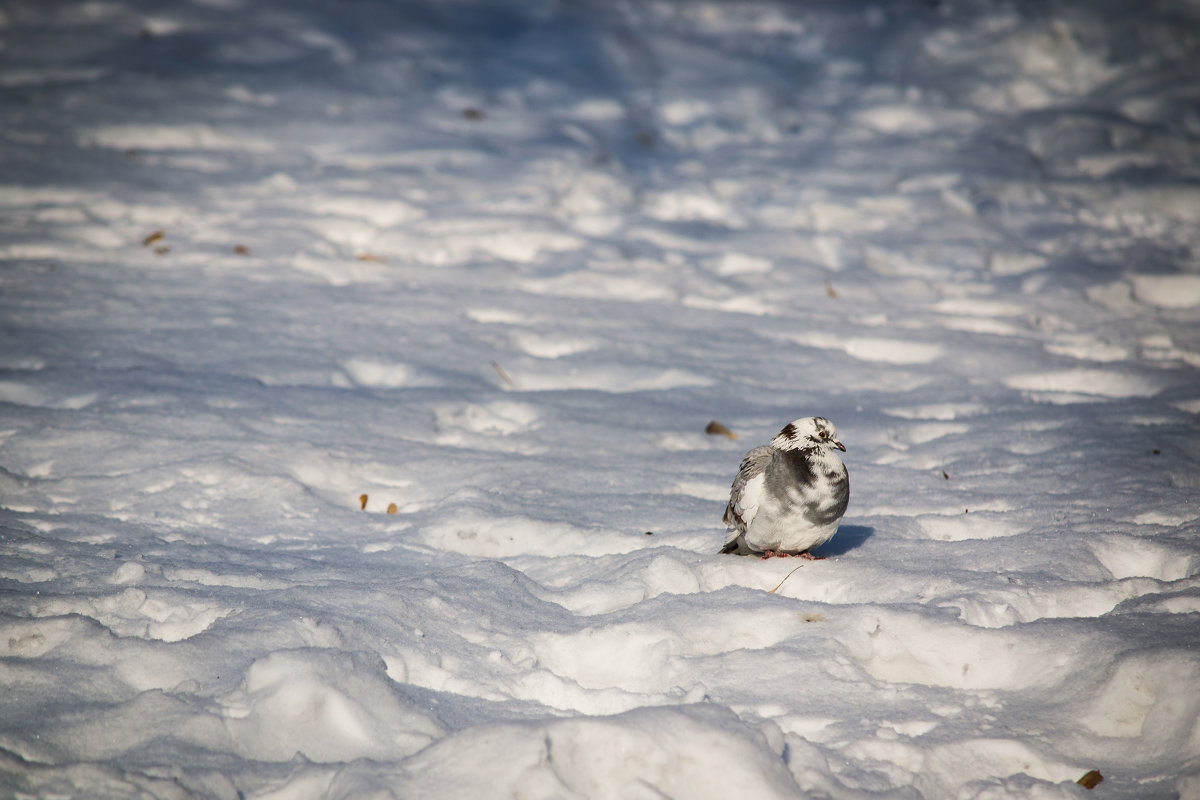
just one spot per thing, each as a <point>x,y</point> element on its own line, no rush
<point>807,556</point>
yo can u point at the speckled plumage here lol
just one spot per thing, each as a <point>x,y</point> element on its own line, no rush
<point>789,496</point>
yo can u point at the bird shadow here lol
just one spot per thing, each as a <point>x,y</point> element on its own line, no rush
<point>848,537</point>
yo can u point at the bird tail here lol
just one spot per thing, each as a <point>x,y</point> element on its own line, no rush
<point>736,527</point>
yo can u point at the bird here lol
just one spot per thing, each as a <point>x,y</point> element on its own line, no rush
<point>789,496</point>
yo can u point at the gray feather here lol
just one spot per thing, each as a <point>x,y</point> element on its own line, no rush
<point>753,465</point>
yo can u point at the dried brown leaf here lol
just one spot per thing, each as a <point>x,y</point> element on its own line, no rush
<point>715,428</point>
<point>362,502</point>
<point>1091,779</point>
<point>157,236</point>
<point>392,509</point>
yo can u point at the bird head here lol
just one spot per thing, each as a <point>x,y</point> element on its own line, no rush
<point>802,434</point>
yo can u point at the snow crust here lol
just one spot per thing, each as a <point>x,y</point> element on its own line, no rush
<point>357,358</point>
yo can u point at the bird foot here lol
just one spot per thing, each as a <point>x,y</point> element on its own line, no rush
<point>807,556</point>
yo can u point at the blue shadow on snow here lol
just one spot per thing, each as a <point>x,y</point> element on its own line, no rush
<point>848,537</point>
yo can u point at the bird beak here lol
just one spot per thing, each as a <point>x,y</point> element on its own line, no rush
<point>838,445</point>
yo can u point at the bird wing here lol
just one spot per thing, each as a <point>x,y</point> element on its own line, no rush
<point>746,494</point>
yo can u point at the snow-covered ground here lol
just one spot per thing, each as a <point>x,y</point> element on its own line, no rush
<point>491,268</point>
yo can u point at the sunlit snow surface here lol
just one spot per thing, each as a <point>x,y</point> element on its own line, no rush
<point>496,266</point>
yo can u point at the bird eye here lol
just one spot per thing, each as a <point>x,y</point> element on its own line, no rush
<point>822,434</point>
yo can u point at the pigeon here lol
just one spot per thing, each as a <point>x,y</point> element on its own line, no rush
<point>789,496</point>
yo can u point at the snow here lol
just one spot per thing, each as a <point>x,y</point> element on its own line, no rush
<point>357,358</point>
